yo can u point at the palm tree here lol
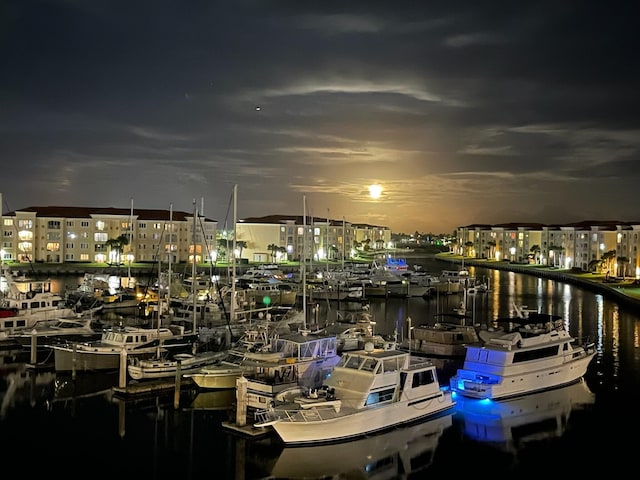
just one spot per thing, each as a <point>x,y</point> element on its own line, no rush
<point>467,246</point>
<point>117,245</point>
<point>535,249</point>
<point>491,245</point>
<point>595,265</point>
<point>273,248</point>
<point>623,262</point>
<point>240,244</point>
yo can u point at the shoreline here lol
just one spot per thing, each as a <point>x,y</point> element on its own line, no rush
<point>626,290</point>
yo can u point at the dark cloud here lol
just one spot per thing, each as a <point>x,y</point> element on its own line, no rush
<point>465,112</point>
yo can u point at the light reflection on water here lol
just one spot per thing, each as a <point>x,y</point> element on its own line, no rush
<point>184,441</point>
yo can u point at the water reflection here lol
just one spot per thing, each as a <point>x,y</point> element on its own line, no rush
<point>393,454</point>
<point>510,425</point>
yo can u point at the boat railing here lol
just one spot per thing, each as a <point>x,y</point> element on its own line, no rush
<point>419,362</point>
<point>322,410</point>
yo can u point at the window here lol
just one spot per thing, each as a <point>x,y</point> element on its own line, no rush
<point>84,246</point>
<point>84,224</point>
<point>25,223</point>
<point>8,233</point>
<point>53,225</point>
<point>53,247</point>
<point>100,225</point>
<point>8,222</point>
<point>536,354</point>
<point>100,237</point>
<point>70,223</point>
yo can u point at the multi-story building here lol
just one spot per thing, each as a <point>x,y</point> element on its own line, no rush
<point>577,245</point>
<point>85,234</point>
<point>267,239</point>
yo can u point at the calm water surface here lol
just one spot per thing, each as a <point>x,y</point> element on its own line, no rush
<point>52,423</point>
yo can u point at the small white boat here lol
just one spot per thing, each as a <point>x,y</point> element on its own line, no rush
<point>25,302</point>
<point>166,366</point>
<point>538,355</point>
<point>367,391</point>
<point>63,329</point>
<point>106,353</point>
<point>448,337</point>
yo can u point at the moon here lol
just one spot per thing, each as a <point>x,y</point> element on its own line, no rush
<point>375,191</point>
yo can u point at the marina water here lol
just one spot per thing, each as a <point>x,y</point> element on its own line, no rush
<point>53,423</point>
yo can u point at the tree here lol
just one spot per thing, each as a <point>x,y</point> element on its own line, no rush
<point>240,244</point>
<point>491,244</point>
<point>623,262</point>
<point>557,254</point>
<point>535,250</point>
<point>273,248</point>
<point>116,245</point>
<point>467,247</point>
<point>608,259</point>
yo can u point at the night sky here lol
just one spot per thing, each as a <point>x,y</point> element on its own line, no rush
<point>463,112</point>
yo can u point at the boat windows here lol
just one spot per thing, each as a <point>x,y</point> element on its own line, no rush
<point>539,353</point>
<point>391,364</point>
<point>380,397</point>
<point>353,362</point>
<point>369,364</point>
<point>425,377</point>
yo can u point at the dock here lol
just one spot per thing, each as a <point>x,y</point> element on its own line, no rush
<point>247,430</point>
<point>152,387</point>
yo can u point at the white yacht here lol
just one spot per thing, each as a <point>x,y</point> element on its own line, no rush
<point>533,357</point>
<point>368,391</point>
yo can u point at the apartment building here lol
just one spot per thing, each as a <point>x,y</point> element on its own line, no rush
<point>576,245</point>
<point>270,238</point>
<point>58,234</point>
<point>81,234</point>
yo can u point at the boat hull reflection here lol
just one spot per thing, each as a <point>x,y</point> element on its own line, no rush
<point>510,424</point>
<point>399,451</point>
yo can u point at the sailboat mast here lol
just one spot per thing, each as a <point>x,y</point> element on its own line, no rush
<point>233,254</point>
<point>303,263</point>
<point>193,266</point>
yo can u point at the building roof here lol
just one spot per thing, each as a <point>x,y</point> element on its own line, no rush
<point>90,212</point>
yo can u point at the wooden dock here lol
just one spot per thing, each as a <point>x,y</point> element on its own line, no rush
<point>247,430</point>
<point>152,387</point>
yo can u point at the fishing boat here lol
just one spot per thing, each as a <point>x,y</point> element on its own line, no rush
<point>368,391</point>
<point>537,355</point>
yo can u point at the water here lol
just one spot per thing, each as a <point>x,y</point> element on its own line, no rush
<point>52,423</point>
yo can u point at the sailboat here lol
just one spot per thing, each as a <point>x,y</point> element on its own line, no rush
<point>165,364</point>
